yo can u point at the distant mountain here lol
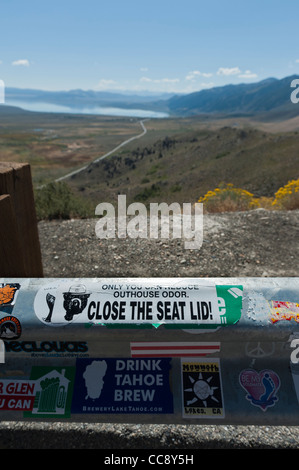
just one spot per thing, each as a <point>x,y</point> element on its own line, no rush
<point>268,96</point>
<point>269,99</point>
<point>88,98</point>
<point>11,110</point>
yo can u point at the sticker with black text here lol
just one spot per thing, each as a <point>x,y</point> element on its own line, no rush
<point>201,388</point>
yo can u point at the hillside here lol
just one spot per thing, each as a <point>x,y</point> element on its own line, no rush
<point>263,98</point>
<point>186,164</point>
<point>178,159</point>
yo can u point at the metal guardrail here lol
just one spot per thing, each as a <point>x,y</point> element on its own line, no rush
<point>183,350</point>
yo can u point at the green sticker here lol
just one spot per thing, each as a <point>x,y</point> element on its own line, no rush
<point>53,392</point>
<point>229,300</point>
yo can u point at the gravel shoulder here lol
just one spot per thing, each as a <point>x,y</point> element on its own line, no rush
<point>244,244</point>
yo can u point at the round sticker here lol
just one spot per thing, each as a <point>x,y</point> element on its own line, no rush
<point>61,304</point>
<point>10,327</point>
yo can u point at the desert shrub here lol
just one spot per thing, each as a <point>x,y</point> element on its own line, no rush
<point>176,188</point>
<point>266,202</point>
<point>287,197</point>
<point>57,201</point>
<point>227,198</point>
<point>149,192</point>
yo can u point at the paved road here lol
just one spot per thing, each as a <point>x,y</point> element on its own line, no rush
<point>144,131</point>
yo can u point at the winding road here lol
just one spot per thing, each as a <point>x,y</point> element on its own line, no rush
<point>144,131</point>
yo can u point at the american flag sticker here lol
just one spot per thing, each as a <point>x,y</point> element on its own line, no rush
<point>167,349</point>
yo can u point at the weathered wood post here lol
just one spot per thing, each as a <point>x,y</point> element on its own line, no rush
<point>20,254</point>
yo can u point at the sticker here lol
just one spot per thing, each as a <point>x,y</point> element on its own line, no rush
<point>8,294</point>
<point>47,348</point>
<point>122,386</point>
<point>53,392</point>
<point>257,306</point>
<point>201,389</point>
<point>167,349</point>
<point>17,395</point>
<point>261,387</point>
<point>295,375</point>
<point>141,303</point>
<point>10,328</point>
<point>284,311</point>
<point>258,349</point>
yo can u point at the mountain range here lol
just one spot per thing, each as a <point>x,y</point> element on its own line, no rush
<point>270,97</point>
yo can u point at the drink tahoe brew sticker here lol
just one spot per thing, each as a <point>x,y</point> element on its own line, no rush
<point>111,385</point>
<point>173,303</point>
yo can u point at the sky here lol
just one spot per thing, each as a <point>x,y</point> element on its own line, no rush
<point>159,46</point>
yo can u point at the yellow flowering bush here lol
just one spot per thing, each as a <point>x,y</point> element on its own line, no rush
<point>266,202</point>
<point>227,198</point>
<point>287,197</point>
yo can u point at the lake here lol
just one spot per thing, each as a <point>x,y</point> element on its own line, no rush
<point>107,111</point>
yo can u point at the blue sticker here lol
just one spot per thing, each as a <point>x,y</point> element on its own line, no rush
<point>122,386</point>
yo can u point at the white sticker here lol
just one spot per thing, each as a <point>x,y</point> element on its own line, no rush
<point>139,302</point>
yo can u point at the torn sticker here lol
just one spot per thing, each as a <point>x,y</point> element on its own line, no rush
<point>8,294</point>
<point>16,395</point>
<point>281,310</point>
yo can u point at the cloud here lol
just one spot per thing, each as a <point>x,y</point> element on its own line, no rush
<point>207,85</point>
<point>297,61</point>
<point>159,80</point>
<point>146,79</point>
<point>228,71</point>
<point>22,62</point>
<point>104,83</point>
<point>247,74</point>
<point>144,69</point>
<point>196,73</point>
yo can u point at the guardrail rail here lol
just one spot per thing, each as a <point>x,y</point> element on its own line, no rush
<point>159,350</point>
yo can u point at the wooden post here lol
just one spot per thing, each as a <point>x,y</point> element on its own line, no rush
<point>20,254</point>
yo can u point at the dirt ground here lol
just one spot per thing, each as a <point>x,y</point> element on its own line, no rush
<point>257,243</point>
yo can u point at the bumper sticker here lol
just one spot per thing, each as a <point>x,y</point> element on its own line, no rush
<point>143,303</point>
<point>122,386</point>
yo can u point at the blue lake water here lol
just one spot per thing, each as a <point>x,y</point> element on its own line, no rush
<point>54,108</point>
